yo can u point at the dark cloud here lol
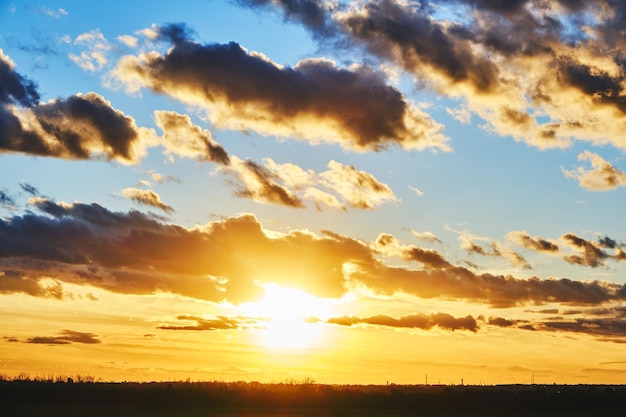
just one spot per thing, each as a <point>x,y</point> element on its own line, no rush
<point>604,323</point>
<point>82,124</point>
<point>66,337</point>
<point>607,242</point>
<point>431,259</point>
<point>6,200</point>
<point>406,35</point>
<point>175,32</point>
<point>418,321</point>
<point>315,100</point>
<point>15,281</point>
<point>228,259</point>
<point>510,61</point>
<point>444,280</point>
<point>592,255</point>
<point>133,253</point>
<point>14,88</point>
<point>314,14</point>
<point>30,189</point>
<point>502,322</point>
<point>78,127</point>
<point>219,323</point>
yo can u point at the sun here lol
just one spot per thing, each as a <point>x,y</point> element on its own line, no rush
<point>291,317</point>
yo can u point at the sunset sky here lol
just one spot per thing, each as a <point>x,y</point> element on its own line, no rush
<point>349,192</point>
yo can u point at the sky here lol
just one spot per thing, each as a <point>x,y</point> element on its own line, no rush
<point>363,192</point>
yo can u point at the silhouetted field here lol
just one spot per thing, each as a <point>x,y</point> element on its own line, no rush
<point>242,399</point>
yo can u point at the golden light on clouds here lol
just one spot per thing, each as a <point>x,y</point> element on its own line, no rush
<point>348,191</point>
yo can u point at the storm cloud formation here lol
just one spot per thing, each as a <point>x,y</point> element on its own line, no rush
<point>315,100</point>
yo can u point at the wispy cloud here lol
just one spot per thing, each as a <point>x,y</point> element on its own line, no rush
<point>53,13</point>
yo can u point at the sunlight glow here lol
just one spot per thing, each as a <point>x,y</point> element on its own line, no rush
<point>291,315</point>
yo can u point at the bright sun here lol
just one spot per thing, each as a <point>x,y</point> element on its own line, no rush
<point>290,315</point>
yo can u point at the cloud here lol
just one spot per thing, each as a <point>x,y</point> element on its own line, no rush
<point>537,244</point>
<point>128,40</point>
<point>415,321</point>
<point>359,189</point>
<point>256,182</point>
<point>315,14</point>
<point>289,185</point>
<point>133,253</point>
<point>14,88</point>
<point>591,255</point>
<point>81,126</point>
<point>146,198</point>
<point>202,324</point>
<point>441,279</point>
<point>417,191</point>
<point>66,337</point>
<point>545,73</point>
<point>425,236</point>
<point>160,178</point>
<point>95,57</point>
<point>14,281</point>
<point>6,200</point>
<point>30,189</point>
<point>314,101</point>
<point>53,13</point>
<point>612,327</point>
<point>181,137</point>
<point>228,260</point>
<point>603,176</point>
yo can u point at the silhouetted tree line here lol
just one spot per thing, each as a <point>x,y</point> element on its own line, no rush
<point>313,399</point>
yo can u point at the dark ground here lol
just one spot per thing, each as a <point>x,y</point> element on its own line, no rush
<point>242,399</point>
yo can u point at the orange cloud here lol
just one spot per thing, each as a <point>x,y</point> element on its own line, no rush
<point>228,260</point>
